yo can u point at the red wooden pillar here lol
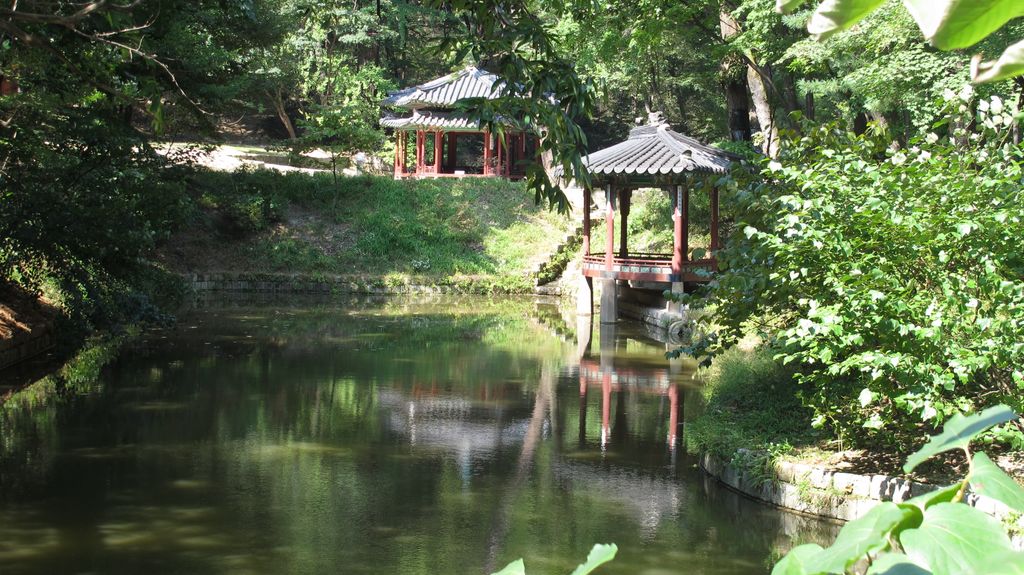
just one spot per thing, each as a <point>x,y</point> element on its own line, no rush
<point>398,154</point>
<point>586,220</point>
<point>686,223</point>
<point>714,221</point>
<point>487,152</point>
<point>609,250</point>
<point>678,252</point>
<point>625,195</point>
<point>438,150</point>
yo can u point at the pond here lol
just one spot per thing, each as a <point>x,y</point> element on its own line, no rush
<point>436,436</point>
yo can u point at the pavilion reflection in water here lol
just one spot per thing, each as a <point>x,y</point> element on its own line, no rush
<point>612,370</point>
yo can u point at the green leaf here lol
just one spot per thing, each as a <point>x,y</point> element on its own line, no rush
<point>959,432</point>
<point>859,537</point>
<point>952,24</point>
<point>799,561</point>
<point>787,6</point>
<point>955,540</point>
<point>944,495</point>
<point>1010,64</point>
<point>837,15</point>
<point>516,567</point>
<point>598,556</point>
<point>987,479</point>
<point>895,564</point>
<point>1005,563</point>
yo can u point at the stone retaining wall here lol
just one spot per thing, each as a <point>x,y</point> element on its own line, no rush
<point>297,283</point>
<point>26,347</point>
<point>836,495</point>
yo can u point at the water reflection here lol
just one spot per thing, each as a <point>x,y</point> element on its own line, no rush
<point>376,436</point>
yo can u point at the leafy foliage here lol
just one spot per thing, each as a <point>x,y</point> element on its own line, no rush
<point>946,24</point>
<point>540,87</point>
<point>891,277</point>
<point>932,534</point>
<point>598,556</point>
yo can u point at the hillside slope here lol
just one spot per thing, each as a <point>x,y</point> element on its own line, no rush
<point>265,221</point>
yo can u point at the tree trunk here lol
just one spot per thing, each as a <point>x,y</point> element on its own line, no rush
<point>763,109</point>
<point>278,100</point>
<point>756,85</point>
<point>735,84</point>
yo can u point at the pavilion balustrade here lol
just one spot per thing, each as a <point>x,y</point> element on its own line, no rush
<point>621,264</point>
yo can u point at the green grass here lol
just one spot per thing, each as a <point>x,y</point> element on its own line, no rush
<point>751,402</point>
<point>301,223</point>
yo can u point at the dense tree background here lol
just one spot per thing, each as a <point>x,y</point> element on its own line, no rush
<point>89,89</point>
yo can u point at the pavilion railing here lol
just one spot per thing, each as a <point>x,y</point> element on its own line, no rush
<point>639,265</point>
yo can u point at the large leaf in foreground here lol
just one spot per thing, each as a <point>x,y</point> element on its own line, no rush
<point>944,495</point>
<point>895,564</point>
<point>958,433</point>
<point>955,539</point>
<point>787,6</point>
<point>952,24</point>
<point>516,567</point>
<point>862,536</point>
<point>837,15</point>
<point>598,556</point>
<point>799,561</point>
<point>1005,563</point>
<point>1010,64</point>
<point>987,479</point>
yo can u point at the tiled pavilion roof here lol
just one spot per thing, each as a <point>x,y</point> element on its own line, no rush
<point>444,92</point>
<point>654,151</point>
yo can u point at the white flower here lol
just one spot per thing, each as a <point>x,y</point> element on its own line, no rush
<point>774,166</point>
<point>925,156</point>
<point>949,95</point>
<point>931,138</point>
<point>997,105</point>
<point>983,105</point>
<point>899,158</point>
<point>966,93</point>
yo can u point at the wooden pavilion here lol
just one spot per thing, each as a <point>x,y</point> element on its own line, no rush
<point>436,140</point>
<point>654,156</point>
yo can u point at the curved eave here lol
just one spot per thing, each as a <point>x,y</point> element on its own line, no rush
<point>654,155</point>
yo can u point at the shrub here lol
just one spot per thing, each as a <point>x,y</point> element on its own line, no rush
<point>892,277</point>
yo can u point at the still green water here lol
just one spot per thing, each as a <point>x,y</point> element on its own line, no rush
<point>445,436</point>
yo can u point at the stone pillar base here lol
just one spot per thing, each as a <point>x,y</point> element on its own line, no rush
<point>609,301</point>
<point>584,296</point>
<point>672,306</point>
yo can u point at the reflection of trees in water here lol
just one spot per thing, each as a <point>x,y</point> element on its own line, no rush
<point>438,458</point>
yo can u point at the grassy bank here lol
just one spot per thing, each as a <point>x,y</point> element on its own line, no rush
<point>751,402</point>
<point>265,221</point>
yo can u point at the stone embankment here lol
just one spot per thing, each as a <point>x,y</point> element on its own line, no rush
<point>832,494</point>
<point>257,282</point>
<point>26,325</point>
